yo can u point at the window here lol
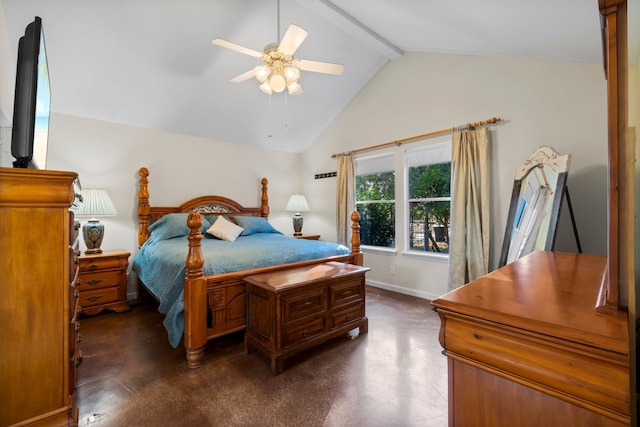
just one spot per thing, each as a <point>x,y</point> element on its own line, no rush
<point>375,200</point>
<point>429,198</point>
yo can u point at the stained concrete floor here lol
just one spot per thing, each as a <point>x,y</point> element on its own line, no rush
<point>393,376</point>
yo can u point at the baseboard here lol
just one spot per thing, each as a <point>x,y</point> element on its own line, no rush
<point>401,290</point>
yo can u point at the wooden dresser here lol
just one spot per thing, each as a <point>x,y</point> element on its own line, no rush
<point>526,347</point>
<point>294,309</point>
<point>39,331</point>
<point>103,281</point>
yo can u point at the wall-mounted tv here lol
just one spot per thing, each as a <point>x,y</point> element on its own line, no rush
<point>31,107</point>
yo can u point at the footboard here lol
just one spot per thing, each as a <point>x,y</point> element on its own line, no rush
<point>216,305</point>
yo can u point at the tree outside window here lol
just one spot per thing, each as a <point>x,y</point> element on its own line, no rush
<point>429,202</point>
<point>375,202</point>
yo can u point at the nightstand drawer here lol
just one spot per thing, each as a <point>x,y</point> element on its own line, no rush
<point>98,296</point>
<point>95,262</point>
<point>103,279</point>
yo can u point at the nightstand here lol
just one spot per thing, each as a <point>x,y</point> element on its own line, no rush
<point>308,237</point>
<point>102,281</point>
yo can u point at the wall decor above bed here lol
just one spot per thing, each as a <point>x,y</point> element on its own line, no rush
<point>198,279</point>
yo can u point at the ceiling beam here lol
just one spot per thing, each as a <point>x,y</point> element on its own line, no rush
<point>351,25</point>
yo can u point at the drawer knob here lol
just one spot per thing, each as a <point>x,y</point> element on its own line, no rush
<point>94,282</point>
<point>94,298</point>
<point>79,338</point>
<point>77,328</point>
<point>93,267</point>
<point>305,333</point>
<point>77,360</point>
<point>76,293</point>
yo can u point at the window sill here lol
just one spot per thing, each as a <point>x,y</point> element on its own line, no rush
<point>378,250</point>
<point>431,256</point>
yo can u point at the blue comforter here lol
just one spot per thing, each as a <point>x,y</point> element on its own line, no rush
<point>160,264</point>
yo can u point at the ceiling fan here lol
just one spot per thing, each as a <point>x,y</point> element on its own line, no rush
<point>279,69</point>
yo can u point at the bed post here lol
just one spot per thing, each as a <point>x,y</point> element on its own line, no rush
<point>355,238</point>
<point>264,206</point>
<point>195,296</point>
<point>143,207</point>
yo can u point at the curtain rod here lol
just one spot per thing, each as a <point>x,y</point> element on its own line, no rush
<point>399,142</point>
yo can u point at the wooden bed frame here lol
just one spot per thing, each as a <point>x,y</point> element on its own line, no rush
<point>216,305</point>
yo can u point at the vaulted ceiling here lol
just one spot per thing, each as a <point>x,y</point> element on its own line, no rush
<point>151,64</point>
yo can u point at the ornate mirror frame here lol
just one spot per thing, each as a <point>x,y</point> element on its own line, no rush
<point>536,199</point>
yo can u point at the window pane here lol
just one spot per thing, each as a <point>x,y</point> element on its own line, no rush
<point>429,226</point>
<point>375,202</point>
<point>377,224</point>
<point>375,186</point>
<point>430,181</point>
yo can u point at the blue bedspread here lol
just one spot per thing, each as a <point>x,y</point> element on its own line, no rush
<point>161,265</point>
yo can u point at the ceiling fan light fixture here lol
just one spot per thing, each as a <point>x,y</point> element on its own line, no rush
<point>294,88</point>
<point>291,73</point>
<point>262,73</point>
<point>277,83</point>
<point>266,88</point>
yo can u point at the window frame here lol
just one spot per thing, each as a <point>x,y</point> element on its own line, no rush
<point>378,164</point>
<point>437,150</point>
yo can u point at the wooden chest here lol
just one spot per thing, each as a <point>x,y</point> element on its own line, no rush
<point>294,309</point>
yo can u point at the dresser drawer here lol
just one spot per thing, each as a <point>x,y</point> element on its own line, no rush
<point>346,315</point>
<point>302,304</point>
<point>103,279</point>
<point>346,292</point>
<point>98,297</point>
<point>300,332</point>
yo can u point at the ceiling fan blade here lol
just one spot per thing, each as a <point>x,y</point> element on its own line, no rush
<point>292,39</point>
<point>237,48</point>
<point>319,67</point>
<point>244,76</point>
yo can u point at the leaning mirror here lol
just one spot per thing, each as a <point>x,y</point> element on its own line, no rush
<point>535,204</point>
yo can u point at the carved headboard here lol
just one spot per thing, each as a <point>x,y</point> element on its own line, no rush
<point>148,214</point>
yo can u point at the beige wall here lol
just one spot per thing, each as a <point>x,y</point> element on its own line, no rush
<point>542,103</point>
<point>7,74</point>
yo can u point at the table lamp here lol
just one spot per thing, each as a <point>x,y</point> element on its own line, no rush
<point>95,202</point>
<point>297,203</point>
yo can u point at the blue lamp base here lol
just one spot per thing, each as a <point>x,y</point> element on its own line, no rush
<point>92,232</point>
<point>297,224</point>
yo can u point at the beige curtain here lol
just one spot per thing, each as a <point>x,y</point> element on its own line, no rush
<point>469,250</point>
<point>345,199</point>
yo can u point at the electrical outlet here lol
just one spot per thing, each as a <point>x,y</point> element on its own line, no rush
<point>392,270</point>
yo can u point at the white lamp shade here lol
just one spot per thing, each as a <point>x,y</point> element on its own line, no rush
<point>297,203</point>
<point>95,202</point>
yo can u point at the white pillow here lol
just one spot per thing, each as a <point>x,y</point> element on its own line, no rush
<point>225,229</point>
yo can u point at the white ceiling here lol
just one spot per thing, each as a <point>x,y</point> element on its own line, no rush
<point>151,64</point>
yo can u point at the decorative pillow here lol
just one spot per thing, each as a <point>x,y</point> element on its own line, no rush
<point>212,217</point>
<point>225,229</point>
<point>174,225</point>
<point>255,224</point>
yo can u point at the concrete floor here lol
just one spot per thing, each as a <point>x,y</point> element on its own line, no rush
<point>393,376</point>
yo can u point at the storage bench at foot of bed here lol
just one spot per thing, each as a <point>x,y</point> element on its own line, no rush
<point>294,309</point>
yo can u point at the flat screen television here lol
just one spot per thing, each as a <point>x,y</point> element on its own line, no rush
<point>32,102</point>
